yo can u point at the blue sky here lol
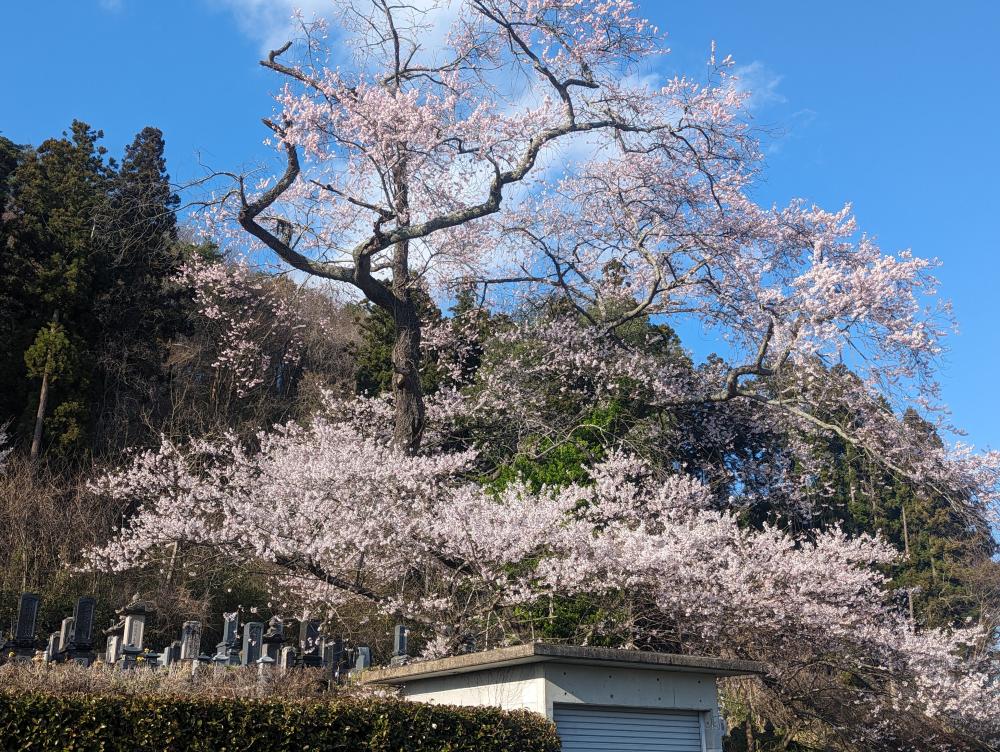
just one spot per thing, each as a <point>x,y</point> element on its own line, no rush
<point>891,105</point>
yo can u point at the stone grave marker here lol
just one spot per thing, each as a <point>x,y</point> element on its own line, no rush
<point>22,645</point>
<point>52,648</point>
<point>227,652</point>
<point>363,658</point>
<point>65,635</point>
<point>253,636</point>
<point>190,641</point>
<point>81,647</point>
<point>273,638</point>
<point>310,646</point>
<point>133,633</point>
<point>286,658</point>
<point>333,656</point>
<point>113,651</point>
<point>171,653</point>
<point>399,654</point>
<point>27,615</point>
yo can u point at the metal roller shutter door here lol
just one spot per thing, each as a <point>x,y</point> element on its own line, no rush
<point>589,729</point>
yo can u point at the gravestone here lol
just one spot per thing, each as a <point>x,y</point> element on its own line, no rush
<point>171,654</point>
<point>52,648</point>
<point>81,648</point>
<point>115,636</point>
<point>190,641</point>
<point>227,652</point>
<point>113,651</point>
<point>310,644</point>
<point>133,633</point>
<point>399,654</point>
<point>27,615</point>
<point>363,658</point>
<point>135,629</point>
<point>264,665</point>
<point>399,640</point>
<point>333,656</point>
<point>253,636</point>
<point>273,638</point>
<point>286,659</point>
<point>22,645</point>
<point>83,623</point>
<point>65,635</point>
<point>230,628</point>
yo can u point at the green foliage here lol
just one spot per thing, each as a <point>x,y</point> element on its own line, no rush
<point>373,354</point>
<point>476,325</point>
<point>66,723</point>
<point>577,426</point>
<point>943,546</point>
<point>544,462</point>
<point>93,246</point>
<point>51,354</point>
<point>577,619</point>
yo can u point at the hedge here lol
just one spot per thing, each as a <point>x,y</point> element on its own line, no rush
<point>107,724</point>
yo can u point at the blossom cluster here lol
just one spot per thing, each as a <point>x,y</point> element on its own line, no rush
<point>347,517</point>
<point>247,313</point>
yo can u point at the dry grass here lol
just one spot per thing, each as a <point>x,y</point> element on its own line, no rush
<point>178,680</point>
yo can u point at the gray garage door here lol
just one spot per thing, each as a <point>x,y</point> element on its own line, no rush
<point>585,728</point>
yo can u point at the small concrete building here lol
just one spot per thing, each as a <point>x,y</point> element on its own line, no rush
<point>600,699</point>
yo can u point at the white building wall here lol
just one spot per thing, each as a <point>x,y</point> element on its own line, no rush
<point>513,688</point>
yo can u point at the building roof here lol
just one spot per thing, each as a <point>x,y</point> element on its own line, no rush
<point>539,652</point>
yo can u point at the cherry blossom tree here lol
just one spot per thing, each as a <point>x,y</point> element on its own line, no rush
<point>437,164</point>
<point>344,518</point>
<point>527,157</point>
<point>249,315</point>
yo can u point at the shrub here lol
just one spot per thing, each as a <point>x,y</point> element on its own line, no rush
<point>62,723</point>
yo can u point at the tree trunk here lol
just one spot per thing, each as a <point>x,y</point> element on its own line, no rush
<point>407,392</point>
<point>906,554</point>
<point>43,399</point>
<point>906,533</point>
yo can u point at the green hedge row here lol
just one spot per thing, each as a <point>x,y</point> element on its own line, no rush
<point>62,723</point>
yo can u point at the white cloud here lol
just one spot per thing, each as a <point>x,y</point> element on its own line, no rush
<point>270,22</point>
<point>760,82</point>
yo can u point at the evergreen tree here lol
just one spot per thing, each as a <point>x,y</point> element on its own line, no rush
<point>59,211</point>
<point>136,303</point>
<point>945,549</point>
<point>11,305</point>
<point>90,256</point>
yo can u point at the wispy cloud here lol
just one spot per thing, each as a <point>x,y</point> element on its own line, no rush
<point>111,5</point>
<point>761,83</point>
<point>270,22</point>
<point>766,101</point>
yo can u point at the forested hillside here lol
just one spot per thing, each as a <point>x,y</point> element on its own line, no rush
<point>110,345</point>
